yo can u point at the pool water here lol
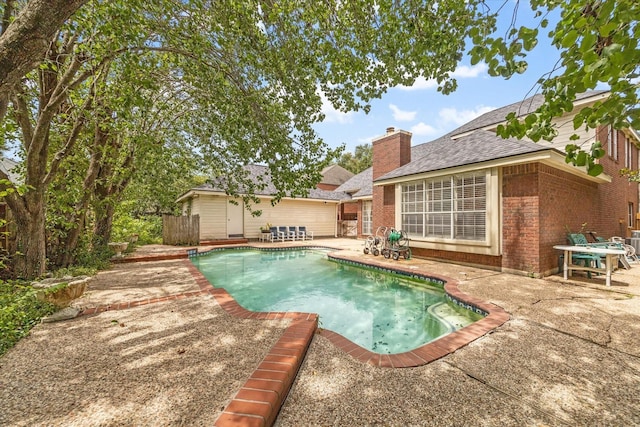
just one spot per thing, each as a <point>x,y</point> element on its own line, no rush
<point>382,312</point>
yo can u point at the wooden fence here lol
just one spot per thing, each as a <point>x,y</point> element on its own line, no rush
<point>180,230</point>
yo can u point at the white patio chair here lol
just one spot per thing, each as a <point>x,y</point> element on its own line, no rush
<point>275,234</point>
<point>304,234</point>
<point>291,233</point>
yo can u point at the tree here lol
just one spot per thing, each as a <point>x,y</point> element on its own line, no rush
<point>245,79</point>
<point>598,44</point>
<point>250,72</point>
<point>360,160</point>
<point>25,39</point>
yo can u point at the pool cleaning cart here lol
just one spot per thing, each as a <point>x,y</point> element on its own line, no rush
<point>396,245</point>
<point>374,244</point>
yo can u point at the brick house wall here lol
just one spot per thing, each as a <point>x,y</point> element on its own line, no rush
<point>484,261</point>
<point>566,202</point>
<point>351,210</point>
<point>328,187</point>
<point>539,205</point>
<point>389,153</point>
<point>617,195</point>
<point>521,217</point>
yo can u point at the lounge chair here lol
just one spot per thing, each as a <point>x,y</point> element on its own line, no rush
<point>291,233</point>
<point>588,260</point>
<point>615,243</point>
<point>630,256</point>
<point>283,231</point>
<point>304,234</point>
<point>275,234</point>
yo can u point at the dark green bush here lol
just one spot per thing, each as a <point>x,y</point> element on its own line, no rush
<point>148,229</point>
<point>20,310</point>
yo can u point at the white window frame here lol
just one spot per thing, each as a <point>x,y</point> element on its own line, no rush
<point>628,153</point>
<point>367,216</point>
<point>631,216</point>
<point>612,143</point>
<point>451,207</point>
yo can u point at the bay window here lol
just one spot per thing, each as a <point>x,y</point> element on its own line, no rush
<point>450,207</point>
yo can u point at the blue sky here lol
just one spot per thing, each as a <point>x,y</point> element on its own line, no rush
<point>428,114</point>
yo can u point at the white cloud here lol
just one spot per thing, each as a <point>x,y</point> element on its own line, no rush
<point>402,116</point>
<point>460,117</point>
<point>420,84</point>
<point>423,129</point>
<point>462,72</point>
<point>332,115</point>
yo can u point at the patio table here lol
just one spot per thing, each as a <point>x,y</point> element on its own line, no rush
<point>610,256</point>
<point>265,236</point>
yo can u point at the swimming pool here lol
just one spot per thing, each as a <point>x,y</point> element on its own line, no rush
<point>381,312</point>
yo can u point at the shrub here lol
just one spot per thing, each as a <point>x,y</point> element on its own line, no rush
<point>148,229</point>
<point>20,310</point>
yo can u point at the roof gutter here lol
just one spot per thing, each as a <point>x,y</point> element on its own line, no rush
<point>195,193</point>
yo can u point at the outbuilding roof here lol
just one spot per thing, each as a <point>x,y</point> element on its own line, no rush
<point>335,175</point>
<point>261,173</point>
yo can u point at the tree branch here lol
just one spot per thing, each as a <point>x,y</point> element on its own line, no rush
<point>24,42</point>
<point>71,141</point>
<point>6,16</point>
<point>23,117</point>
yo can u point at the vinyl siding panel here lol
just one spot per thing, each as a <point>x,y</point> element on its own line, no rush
<point>564,125</point>
<point>317,216</point>
<point>213,216</point>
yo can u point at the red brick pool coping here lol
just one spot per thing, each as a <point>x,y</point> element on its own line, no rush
<point>259,400</point>
<point>431,351</point>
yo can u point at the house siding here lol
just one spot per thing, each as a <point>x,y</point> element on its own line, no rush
<point>318,216</point>
<point>213,216</point>
<point>564,126</point>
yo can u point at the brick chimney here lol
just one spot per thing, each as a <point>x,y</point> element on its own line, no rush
<point>390,151</point>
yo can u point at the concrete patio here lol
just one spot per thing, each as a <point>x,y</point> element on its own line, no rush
<point>569,355</point>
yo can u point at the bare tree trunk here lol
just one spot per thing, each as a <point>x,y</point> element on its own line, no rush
<point>103,226</point>
<point>30,259</point>
<point>110,184</point>
<point>101,136</point>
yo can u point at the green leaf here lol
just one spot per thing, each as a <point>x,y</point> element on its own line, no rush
<point>607,28</point>
<point>569,39</point>
<point>595,169</point>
